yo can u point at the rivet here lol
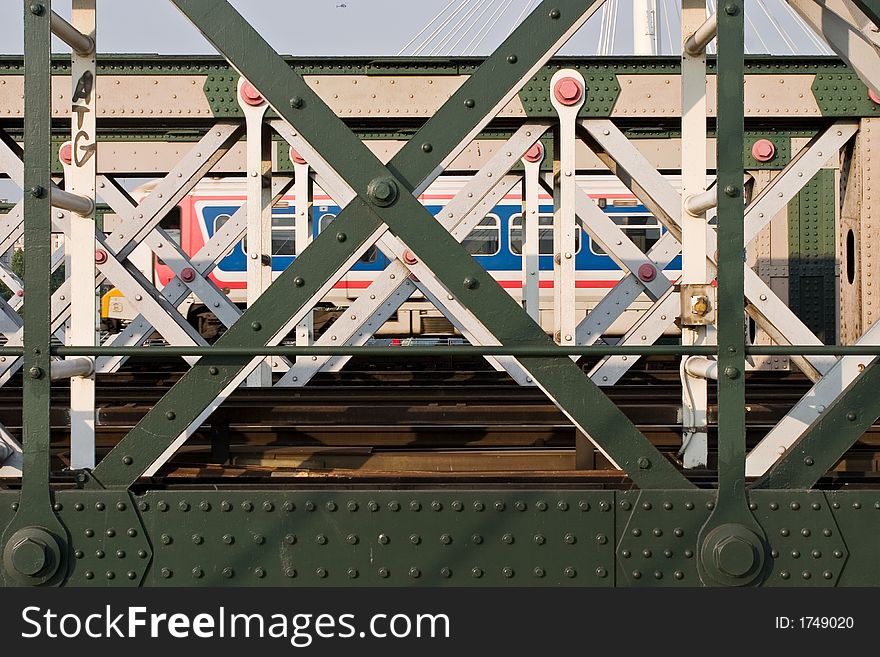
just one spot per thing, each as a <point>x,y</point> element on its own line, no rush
<point>321,572</point>
<point>170,415</point>
<point>476,539</point>
<point>229,539</point>
<point>601,539</point>
<point>90,533</point>
<point>415,505</point>
<point>626,506</point>
<point>427,147</point>
<point>394,506</point>
<point>796,554</point>
<point>857,505</point>
<point>479,506</point>
<point>689,506</point>
<point>299,281</point>
<point>259,572</point>
<point>225,505</point>
<point>341,237</point>
<point>731,10</point>
<point>131,574</point>
<point>166,539</point>
<point>197,539</point>
<point>647,553</point>
<point>626,554</point>
<point>213,371</point>
<point>227,572</point>
<point>569,572</point>
<point>785,574</point>
<point>583,505</point>
<point>352,573</point>
<point>784,532</point>
<point>469,103</point>
<point>644,463</point>
<point>383,573</point>
<point>636,532</point>
<point>290,572</point>
<point>415,573</point>
<point>637,574</point>
<point>678,574</point>
<point>688,554</point>
<point>470,283</point>
<point>541,505</point>
<point>851,416</point>
<point>773,506</point>
<point>539,539</point>
<point>477,572</point>
<point>554,14</point>
<point>383,539</point>
<point>166,573</point>
<point>562,505</point>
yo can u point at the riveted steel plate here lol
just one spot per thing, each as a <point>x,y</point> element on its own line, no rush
<point>657,536</point>
<point>858,516</point>
<point>843,94</point>
<point>806,545</point>
<point>108,544</point>
<point>372,538</point>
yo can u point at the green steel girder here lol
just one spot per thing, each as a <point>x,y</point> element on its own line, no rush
<point>456,122</point>
<point>462,538</point>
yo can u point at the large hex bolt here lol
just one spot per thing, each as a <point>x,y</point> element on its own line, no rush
<point>250,95</point>
<point>647,272</point>
<point>29,557</point>
<point>535,153</point>
<point>763,150</point>
<point>568,91</point>
<point>734,556</point>
<point>873,95</point>
<point>383,192</point>
<point>295,157</point>
<point>32,556</point>
<point>65,153</point>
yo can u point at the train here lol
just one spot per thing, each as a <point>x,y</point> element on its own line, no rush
<point>496,243</point>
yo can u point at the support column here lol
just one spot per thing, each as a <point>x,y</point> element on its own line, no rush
<point>259,207</point>
<point>531,270</point>
<point>567,95</point>
<point>303,232</point>
<point>696,299</point>
<point>80,251</point>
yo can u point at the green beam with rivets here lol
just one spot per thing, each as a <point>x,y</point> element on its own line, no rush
<point>33,541</point>
<point>459,119</point>
<point>825,442</point>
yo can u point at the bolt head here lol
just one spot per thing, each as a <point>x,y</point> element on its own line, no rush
<point>65,153</point>
<point>647,272</point>
<point>29,557</point>
<point>295,157</point>
<point>535,153</point>
<point>250,95</point>
<point>874,96</point>
<point>188,274</point>
<point>763,150</point>
<point>383,191</point>
<point>734,556</point>
<point>568,91</point>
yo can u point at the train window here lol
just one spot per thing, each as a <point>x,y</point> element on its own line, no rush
<point>372,254</point>
<point>545,235</point>
<point>642,229</point>
<point>219,220</point>
<point>485,238</point>
<point>283,242</point>
<point>171,224</point>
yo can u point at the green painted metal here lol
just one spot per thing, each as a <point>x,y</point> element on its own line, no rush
<point>827,439</point>
<point>843,94</point>
<point>781,140</point>
<point>812,256</point>
<point>601,90</point>
<point>871,9</point>
<point>35,530</point>
<point>288,94</point>
<point>732,544</point>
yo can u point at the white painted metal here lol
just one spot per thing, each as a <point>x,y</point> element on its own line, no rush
<point>71,368</point>
<point>10,454</point>
<point>259,215</point>
<point>564,220</point>
<point>701,37</point>
<point>303,231</point>
<point>700,366</point>
<point>82,43</point>
<point>694,230</point>
<point>531,271</point>
<point>84,315</point>
<point>846,39</point>
<point>646,37</point>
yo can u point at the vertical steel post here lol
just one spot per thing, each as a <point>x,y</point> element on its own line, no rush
<point>35,521</point>
<point>531,270</point>
<point>731,281</point>
<point>303,231</point>
<point>81,247</point>
<point>259,207</point>
<point>694,271</point>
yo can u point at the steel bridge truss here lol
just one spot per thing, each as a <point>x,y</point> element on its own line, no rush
<point>764,523</point>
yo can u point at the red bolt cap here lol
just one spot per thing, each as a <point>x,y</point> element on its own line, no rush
<point>409,257</point>
<point>873,95</point>
<point>65,153</point>
<point>295,157</point>
<point>763,150</point>
<point>250,95</point>
<point>20,293</point>
<point>188,274</point>
<point>568,91</point>
<point>535,153</point>
<point>647,272</point>
<point>100,256</point>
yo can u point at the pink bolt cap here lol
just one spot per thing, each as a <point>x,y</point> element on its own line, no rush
<point>188,274</point>
<point>409,257</point>
<point>535,153</point>
<point>250,95</point>
<point>568,91</point>
<point>295,157</point>
<point>647,272</point>
<point>65,153</point>
<point>763,150</point>
<point>873,95</point>
<point>100,256</point>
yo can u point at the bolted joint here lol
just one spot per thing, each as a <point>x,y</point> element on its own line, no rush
<point>763,150</point>
<point>383,192</point>
<point>249,94</point>
<point>734,556</point>
<point>29,557</point>
<point>647,272</point>
<point>568,91</point>
<point>188,275</point>
<point>731,372</point>
<point>535,153</point>
<point>295,157</point>
<point>32,556</point>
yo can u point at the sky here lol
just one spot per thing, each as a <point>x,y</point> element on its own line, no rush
<point>384,27</point>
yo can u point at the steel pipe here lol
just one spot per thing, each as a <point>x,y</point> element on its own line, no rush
<point>701,367</point>
<point>65,369</point>
<point>81,205</point>
<point>696,43</point>
<point>698,204</point>
<point>82,44</point>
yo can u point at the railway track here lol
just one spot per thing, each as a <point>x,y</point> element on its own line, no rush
<point>393,423</point>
